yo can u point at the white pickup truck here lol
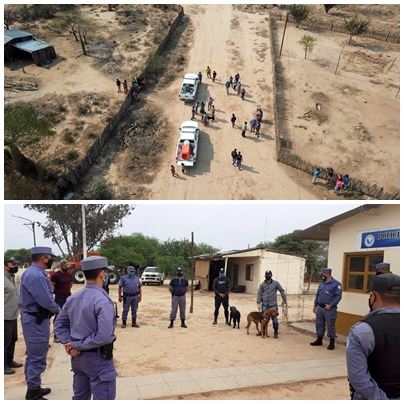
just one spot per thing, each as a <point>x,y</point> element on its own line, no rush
<point>187,147</point>
<point>189,87</point>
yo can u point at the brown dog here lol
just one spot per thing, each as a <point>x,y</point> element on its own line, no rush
<point>261,318</point>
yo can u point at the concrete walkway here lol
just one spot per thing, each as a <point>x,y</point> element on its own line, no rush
<point>60,379</point>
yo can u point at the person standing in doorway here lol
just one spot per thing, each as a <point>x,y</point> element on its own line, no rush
<point>221,286</point>
<point>329,294</point>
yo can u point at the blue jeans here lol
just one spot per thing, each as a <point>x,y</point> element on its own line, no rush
<point>266,306</point>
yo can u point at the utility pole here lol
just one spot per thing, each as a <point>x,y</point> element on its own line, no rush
<point>83,229</point>
<point>284,30</point>
<point>31,226</point>
<point>191,307</point>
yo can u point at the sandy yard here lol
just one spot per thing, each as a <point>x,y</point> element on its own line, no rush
<point>155,347</point>
<point>356,131</point>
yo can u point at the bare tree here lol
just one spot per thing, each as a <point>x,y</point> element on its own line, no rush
<point>355,26</point>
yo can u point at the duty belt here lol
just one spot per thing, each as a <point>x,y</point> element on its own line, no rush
<point>130,294</point>
<point>322,305</point>
<point>179,295</point>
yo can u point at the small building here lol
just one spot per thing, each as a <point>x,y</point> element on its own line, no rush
<point>247,268</point>
<point>22,45</point>
<point>358,240</point>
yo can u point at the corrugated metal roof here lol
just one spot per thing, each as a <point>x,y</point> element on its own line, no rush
<point>321,231</point>
<point>10,34</point>
<point>31,46</point>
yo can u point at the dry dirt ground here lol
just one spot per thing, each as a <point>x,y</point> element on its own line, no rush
<point>203,345</point>
<point>355,137</point>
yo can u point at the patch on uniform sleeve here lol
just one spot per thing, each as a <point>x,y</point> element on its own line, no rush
<point>339,286</point>
<point>347,343</point>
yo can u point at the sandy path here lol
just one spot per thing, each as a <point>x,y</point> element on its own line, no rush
<point>243,48</point>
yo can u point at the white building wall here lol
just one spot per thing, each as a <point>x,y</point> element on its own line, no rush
<point>342,240</point>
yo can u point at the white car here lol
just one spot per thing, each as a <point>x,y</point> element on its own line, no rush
<point>187,146</point>
<point>189,87</point>
<point>152,275</point>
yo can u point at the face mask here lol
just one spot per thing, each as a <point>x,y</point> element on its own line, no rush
<point>371,304</point>
<point>105,281</point>
<point>131,273</point>
<point>179,274</point>
<point>379,273</point>
<point>13,270</point>
<point>268,278</point>
<point>49,263</point>
<point>323,278</point>
<point>222,275</point>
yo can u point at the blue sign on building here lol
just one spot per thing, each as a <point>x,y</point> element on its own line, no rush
<point>381,238</point>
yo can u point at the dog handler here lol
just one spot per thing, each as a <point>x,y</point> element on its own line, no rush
<point>221,286</point>
<point>36,304</point>
<point>178,288</point>
<point>86,327</point>
<point>329,294</point>
<point>131,287</point>
<point>373,345</point>
<point>267,295</point>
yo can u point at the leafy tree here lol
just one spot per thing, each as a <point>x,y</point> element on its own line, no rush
<point>307,43</point>
<point>328,7</point>
<point>22,254</point>
<point>44,11</point>
<point>10,16</point>
<point>78,24</point>
<point>131,250</point>
<point>316,252</point>
<point>24,127</point>
<point>356,26</point>
<point>97,189</point>
<point>299,13</point>
<point>64,224</point>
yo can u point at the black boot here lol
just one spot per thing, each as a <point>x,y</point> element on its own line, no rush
<point>45,391</point>
<point>171,324</point>
<point>34,394</point>
<point>134,323</point>
<point>276,333</point>
<point>331,346</point>
<point>215,321</point>
<point>123,324</point>
<point>317,342</point>
<point>183,325</point>
<point>227,321</point>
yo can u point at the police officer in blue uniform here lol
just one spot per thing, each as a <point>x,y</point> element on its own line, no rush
<point>329,294</point>
<point>37,304</point>
<point>86,327</point>
<point>373,345</point>
<point>383,268</point>
<point>130,292</point>
<point>178,288</point>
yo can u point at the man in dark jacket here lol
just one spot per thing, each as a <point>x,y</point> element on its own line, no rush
<point>221,287</point>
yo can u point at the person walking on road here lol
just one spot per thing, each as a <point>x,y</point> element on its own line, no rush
<point>173,171</point>
<point>257,129</point>
<point>238,88</point>
<point>316,175</point>
<point>200,77</point>
<point>130,293</point>
<point>212,111</point>
<point>193,113</point>
<point>214,74</point>
<point>242,93</point>
<point>329,294</point>
<point>243,129</point>
<point>118,84</point>
<point>234,156</point>
<point>227,86</point>
<point>233,120</point>
<point>209,101</point>
<point>86,327</point>
<point>239,160</point>
<point>202,108</point>
<point>11,294</point>
<point>178,288</point>
<point>253,123</point>
<point>37,304</point>
<point>221,286</point>
<point>208,72</point>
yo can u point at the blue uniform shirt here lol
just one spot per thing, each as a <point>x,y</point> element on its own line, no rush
<point>179,286</point>
<point>328,293</point>
<point>87,320</point>
<point>36,289</point>
<point>360,344</point>
<point>130,284</point>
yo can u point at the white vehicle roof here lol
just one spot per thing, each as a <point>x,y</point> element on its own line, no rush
<point>194,125</point>
<point>191,76</point>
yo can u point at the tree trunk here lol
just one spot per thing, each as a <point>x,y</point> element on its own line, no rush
<point>305,53</point>
<point>24,165</point>
<point>74,33</point>
<point>83,47</point>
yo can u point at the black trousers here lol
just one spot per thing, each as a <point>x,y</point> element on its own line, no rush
<point>225,302</point>
<point>10,337</point>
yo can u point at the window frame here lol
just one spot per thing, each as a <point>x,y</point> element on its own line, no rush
<point>249,269</point>
<point>366,273</point>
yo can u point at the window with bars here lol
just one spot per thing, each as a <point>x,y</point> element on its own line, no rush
<point>360,269</point>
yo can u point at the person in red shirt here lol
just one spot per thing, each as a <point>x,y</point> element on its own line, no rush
<point>62,282</point>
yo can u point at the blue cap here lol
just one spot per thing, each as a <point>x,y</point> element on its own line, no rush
<point>326,271</point>
<point>131,268</point>
<point>383,265</point>
<point>268,272</point>
<point>386,283</point>
<point>41,250</point>
<point>94,262</point>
